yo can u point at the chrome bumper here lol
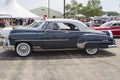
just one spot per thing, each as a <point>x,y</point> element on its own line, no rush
<point>7,46</point>
<point>82,45</point>
<point>1,36</point>
<point>112,46</point>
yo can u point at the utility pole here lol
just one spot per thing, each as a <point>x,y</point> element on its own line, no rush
<point>48,8</point>
<point>119,9</point>
<point>64,9</point>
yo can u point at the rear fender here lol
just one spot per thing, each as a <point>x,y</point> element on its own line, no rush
<point>109,33</point>
<point>92,39</point>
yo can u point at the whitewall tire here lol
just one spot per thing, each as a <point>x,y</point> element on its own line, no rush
<point>23,49</point>
<point>91,51</point>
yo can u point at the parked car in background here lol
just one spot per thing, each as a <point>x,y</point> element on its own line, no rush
<point>95,23</point>
<point>58,34</point>
<point>98,22</point>
<point>6,31</point>
<point>113,26</point>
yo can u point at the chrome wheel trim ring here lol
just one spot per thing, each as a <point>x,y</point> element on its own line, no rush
<point>91,51</point>
<point>23,49</point>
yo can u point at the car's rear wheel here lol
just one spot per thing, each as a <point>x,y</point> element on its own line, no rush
<point>23,49</point>
<point>91,51</point>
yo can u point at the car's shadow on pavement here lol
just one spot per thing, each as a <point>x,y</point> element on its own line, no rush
<point>54,55</point>
<point>117,37</point>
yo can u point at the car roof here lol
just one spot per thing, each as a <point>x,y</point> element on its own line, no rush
<point>62,20</point>
<point>77,23</point>
<point>115,21</point>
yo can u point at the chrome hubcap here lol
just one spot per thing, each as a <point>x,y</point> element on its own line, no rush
<point>91,50</point>
<point>23,49</point>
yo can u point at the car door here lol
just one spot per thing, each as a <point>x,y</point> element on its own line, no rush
<point>115,28</point>
<point>61,36</point>
<point>55,38</point>
<point>73,34</point>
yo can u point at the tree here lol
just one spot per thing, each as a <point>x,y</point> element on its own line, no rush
<point>111,13</point>
<point>73,8</point>
<point>94,4</point>
<point>93,8</point>
<point>67,9</point>
<point>87,11</point>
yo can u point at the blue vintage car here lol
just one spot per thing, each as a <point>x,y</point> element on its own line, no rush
<point>58,34</point>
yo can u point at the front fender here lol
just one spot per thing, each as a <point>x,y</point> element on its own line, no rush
<point>15,37</point>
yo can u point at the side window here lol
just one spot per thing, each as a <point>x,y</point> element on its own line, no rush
<point>71,27</point>
<point>115,24</point>
<point>44,25</point>
<point>119,24</point>
<point>52,26</point>
<point>61,26</point>
<point>55,26</point>
<point>38,24</point>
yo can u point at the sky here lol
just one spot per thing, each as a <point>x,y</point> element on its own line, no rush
<point>108,5</point>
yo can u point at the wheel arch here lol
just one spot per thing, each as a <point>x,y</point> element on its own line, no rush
<point>23,42</point>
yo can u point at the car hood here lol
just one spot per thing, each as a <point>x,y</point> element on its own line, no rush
<point>25,30</point>
<point>4,33</point>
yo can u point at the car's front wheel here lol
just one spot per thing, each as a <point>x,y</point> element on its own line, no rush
<point>23,49</point>
<point>91,51</point>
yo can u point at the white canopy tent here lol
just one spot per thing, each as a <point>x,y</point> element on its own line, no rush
<point>4,14</point>
<point>12,8</point>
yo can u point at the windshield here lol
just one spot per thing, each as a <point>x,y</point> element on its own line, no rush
<point>43,25</point>
<point>35,24</point>
<point>30,25</point>
<point>106,24</point>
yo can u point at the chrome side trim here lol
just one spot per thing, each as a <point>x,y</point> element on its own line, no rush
<point>55,49</point>
<point>46,40</point>
<point>82,45</point>
<point>112,46</point>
